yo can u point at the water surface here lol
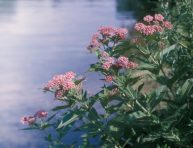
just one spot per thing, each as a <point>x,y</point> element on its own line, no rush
<point>38,39</point>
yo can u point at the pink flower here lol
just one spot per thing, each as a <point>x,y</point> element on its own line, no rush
<point>56,82</point>
<point>167,25</point>
<point>24,120</point>
<point>41,114</point>
<point>94,44</point>
<point>122,62</point>
<point>28,120</point>
<point>158,28</point>
<point>59,82</point>
<point>106,31</point>
<point>69,75</point>
<point>148,30</point>
<point>121,33</point>
<point>139,27</point>
<point>106,35</point>
<point>158,17</point>
<point>106,65</point>
<point>110,60</point>
<point>94,41</point>
<point>158,25</point>
<point>95,36</point>
<point>148,18</point>
<point>109,79</point>
<point>68,85</point>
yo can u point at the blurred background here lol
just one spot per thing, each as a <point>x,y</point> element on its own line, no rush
<point>41,38</point>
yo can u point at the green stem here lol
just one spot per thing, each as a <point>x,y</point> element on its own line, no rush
<point>141,107</point>
<point>125,142</point>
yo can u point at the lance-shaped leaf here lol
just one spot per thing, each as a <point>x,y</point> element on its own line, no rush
<point>166,51</point>
<point>68,119</point>
<point>186,88</point>
<point>153,68</point>
<point>59,107</point>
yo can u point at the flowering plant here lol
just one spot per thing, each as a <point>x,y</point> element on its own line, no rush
<point>147,99</point>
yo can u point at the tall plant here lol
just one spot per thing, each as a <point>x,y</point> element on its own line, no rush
<point>147,99</point>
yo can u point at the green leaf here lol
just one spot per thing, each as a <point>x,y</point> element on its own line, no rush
<point>59,107</point>
<point>153,68</point>
<point>30,128</point>
<point>65,122</point>
<point>79,80</point>
<point>97,53</point>
<point>186,88</point>
<point>184,44</point>
<point>165,51</point>
<point>95,67</point>
<point>50,118</point>
<point>45,125</point>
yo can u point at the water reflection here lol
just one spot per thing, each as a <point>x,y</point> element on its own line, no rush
<point>139,8</point>
<point>38,39</point>
<point>7,10</point>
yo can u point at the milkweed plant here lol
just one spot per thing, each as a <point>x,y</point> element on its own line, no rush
<point>147,97</point>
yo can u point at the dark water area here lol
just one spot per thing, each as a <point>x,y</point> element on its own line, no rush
<point>41,38</point>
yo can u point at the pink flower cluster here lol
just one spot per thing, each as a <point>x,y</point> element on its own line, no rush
<point>94,43</point>
<point>108,62</point>
<point>107,31</point>
<point>41,114</point>
<point>121,62</point>
<point>155,24</point>
<point>32,119</point>
<point>158,17</point>
<point>105,35</point>
<point>167,25</point>
<point>148,18</point>
<point>109,78</point>
<point>28,120</point>
<point>124,62</point>
<point>64,82</point>
<point>121,33</point>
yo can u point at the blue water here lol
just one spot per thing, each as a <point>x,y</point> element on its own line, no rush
<point>38,39</point>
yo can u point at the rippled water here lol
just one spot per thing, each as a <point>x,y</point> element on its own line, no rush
<point>40,38</point>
